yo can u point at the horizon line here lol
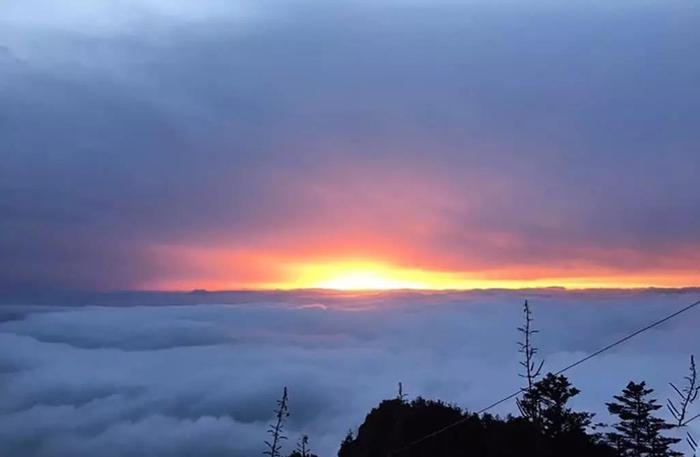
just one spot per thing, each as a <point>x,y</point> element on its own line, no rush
<point>204,290</point>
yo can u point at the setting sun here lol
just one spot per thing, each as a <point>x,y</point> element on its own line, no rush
<point>360,276</point>
<point>367,280</point>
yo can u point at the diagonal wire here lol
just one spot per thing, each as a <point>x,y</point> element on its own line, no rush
<point>566,368</point>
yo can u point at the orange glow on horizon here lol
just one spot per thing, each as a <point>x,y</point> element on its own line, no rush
<point>367,275</point>
<point>215,269</point>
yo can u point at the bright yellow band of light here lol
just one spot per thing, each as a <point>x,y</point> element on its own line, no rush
<point>365,275</point>
<point>216,269</point>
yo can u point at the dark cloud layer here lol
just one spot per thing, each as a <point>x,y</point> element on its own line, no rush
<point>202,379</point>
<point>568,130</point>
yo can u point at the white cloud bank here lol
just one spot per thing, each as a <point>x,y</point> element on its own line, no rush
<point>202,379</point>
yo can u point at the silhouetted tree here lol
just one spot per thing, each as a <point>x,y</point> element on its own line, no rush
<point>401,396</point>
<point>276,430</point>
<point>303,449</point>
<point>686,396</point>
<point>550,397</point>
<point>638,432</point>
<point>531,369</point>
<point>303,446</point>
<point>692,443</point>
<point>346,444</point>
<point>299,454</point>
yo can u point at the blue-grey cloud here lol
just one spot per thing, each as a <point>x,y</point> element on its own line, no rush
<point>570,129</point>
<point>178,380</point>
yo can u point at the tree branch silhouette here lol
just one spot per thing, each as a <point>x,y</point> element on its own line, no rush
<point>686,396</point>
<point>276,430</point>
<point>532,369</point>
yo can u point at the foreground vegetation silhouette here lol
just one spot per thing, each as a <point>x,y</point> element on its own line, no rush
<point>394,423</point>
<point>393,428</point>
<point>547,425</point>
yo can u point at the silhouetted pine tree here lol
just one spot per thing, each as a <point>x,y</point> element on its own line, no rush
<point>346,444</point>
<point>638,432</point>
<point>303,449</point>
<point>303,446</point>
<point>550,397</point>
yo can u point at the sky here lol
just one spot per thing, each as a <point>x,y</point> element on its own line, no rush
<point>202,378</point>
<point>174,145</point>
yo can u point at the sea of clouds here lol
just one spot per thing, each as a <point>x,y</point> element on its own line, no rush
<point>201,378</point>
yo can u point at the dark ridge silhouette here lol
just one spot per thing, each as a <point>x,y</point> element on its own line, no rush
<point>394,423</point>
